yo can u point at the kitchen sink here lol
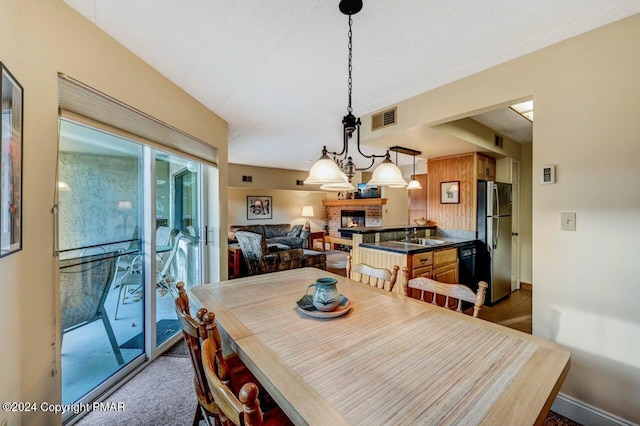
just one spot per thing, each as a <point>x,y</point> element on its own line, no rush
<point>423,241</point>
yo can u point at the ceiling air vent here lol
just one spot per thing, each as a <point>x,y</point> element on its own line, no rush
<point>383,119</point>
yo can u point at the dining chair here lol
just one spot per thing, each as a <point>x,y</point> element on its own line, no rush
<point>234,408</point>
<point>193,330</point>
<point>206,408</point>
<point>84,285</point>
<point>454,294</point>
<point>377,277</point>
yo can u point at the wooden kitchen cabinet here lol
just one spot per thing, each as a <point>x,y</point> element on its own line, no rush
<point>440,265</point>
<point>486,168</point>
<point>445,266</point>
<point>446,274</point>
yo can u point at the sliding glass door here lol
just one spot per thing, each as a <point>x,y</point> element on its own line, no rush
<point>100,241</point>
<point>179,252</point>
<point>129,229</point>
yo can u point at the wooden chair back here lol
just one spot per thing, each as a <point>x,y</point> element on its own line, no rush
<point>192,330</point>
<point>376,277</point>
<point>451,291</point>
<point>232,410</point>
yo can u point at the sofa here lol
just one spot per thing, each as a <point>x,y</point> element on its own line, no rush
<point>284,234</point>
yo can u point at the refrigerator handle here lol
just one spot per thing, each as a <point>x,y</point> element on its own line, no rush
<point>496,234</point>
<point>497,199</point>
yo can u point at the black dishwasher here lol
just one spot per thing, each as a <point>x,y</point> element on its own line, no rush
<point>467,267</point>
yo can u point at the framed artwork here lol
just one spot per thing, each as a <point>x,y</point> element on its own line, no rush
<point>10,164</point>
<point>450,192</point>
<point>547,174</point>
<point>259,207</point>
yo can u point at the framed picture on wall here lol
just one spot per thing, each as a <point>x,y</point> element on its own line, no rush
<point>450,192</point>
<point>259,207</point>
<point>10,164</point>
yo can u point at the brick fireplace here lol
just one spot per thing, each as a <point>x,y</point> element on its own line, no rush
<point>335,212</point>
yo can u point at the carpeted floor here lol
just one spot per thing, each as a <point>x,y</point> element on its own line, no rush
<point>161,394</point>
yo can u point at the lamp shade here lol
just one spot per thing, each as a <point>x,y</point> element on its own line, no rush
<point>387,174</point>
<point>345,185</point>
<point>414,184</point>
<point>325,170</point>
<point>337,187</point>
<point>307,211</point>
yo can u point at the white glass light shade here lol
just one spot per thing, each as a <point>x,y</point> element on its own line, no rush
<point>338,187</point>
<point>325,170</point>
<point>345,185</point>
<point>387,174</point>
<point>307,211</point>
<point>414,184</point>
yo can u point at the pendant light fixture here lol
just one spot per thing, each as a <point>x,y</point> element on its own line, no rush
<point>335,173</point>
<point>414,184</point>
<point>395,178</point>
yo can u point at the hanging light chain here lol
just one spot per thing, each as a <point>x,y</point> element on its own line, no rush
<point>349,109</point>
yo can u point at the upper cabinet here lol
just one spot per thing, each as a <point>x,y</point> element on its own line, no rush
<point>486,167</point>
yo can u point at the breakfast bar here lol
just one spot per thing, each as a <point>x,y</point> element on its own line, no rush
<point>388,360</point>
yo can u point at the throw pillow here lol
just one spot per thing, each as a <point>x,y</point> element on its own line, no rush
<point>295,231</point>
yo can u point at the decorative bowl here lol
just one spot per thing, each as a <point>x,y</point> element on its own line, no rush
<point>421,221</point>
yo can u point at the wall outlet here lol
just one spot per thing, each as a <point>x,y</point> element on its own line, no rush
<point>568,221</point>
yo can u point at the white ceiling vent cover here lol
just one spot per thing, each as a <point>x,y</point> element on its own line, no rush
<point>384,119</point>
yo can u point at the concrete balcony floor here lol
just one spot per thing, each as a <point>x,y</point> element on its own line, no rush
<point>87,356</point>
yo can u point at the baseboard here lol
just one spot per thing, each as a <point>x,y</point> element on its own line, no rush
<point>526,286</point>
<point>586,414</point>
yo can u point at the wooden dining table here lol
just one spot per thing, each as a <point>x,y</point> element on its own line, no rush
<point>390,360</point>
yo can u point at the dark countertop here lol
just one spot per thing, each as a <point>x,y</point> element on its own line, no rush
<point>374,229</point>
<point>411,248</point>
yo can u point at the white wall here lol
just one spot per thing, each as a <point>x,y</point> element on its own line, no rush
<point>287,206</point>
<point>586,292</point>
<point>396,211</point>
<point>38,39</point>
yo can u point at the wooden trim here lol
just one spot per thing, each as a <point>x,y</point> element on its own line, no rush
<point>356,202</point>
<point>526,286</point>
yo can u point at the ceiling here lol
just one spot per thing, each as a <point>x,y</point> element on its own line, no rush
<point>276,70</point>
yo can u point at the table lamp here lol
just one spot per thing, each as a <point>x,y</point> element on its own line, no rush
<point>307,212</point>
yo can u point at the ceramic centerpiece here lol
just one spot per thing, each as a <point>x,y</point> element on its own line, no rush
<point>326,296</point>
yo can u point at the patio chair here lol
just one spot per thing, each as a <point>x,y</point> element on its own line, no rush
<point>84,285</point>
<point>131,282</point>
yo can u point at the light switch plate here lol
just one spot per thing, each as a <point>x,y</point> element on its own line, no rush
<point>568,221</point>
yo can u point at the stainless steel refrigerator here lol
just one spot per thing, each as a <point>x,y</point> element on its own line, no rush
<point>494,229</point>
